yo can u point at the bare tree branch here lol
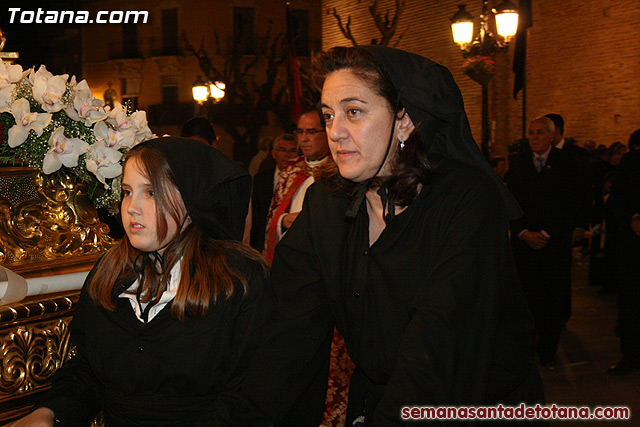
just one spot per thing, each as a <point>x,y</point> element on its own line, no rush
<point>246,103</point>
<point>345,30</point>
<point>384,24</point>
<point>204,61</point>
<point>386,27</point>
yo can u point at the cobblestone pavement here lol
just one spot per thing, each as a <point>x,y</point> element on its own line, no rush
<point>588,347</point>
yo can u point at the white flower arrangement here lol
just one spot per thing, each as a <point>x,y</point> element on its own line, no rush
<point>56,125</point>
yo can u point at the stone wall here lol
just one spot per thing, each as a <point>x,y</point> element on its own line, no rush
<point>583,62</point>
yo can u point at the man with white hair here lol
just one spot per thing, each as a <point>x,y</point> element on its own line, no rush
<point>545,182</point>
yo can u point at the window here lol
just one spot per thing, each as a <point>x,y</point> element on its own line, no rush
<point>170,32</point>
<point>130,88</point>
<point>243,30</point>
<point>170,94</point>
<point>300,24</point>
<point>130,41</point>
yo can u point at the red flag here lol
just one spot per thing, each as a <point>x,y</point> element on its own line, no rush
<point>295,87</point>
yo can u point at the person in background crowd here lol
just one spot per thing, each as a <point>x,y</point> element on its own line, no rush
<point>499,166</point>
<point>170,317</point>
<point>615,153</point>
<point>625,205</point>
<point>404,247</point>
<point>589,145</point>
<point>634,141</point>
<point>585,191</point>
<point>581,156</point>
<point>264,151</point>
<point>295,179</point>
<point>546,183</point>
<point>199,129</point>
<point>285,149</point>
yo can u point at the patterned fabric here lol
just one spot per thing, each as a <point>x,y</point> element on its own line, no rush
<point>290,181</point>
<point>340,372</point>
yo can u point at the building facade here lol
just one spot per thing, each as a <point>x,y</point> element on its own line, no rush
<point>582,62</point>
<point>150,66</point>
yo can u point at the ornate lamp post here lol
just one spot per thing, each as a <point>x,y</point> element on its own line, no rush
<point>481,49</point>
<point>202,91</point>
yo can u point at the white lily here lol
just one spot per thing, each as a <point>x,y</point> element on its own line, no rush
<point>10,73</point>
<point>26,121</point>
<point>103,162</point>
<point>64,151</point>
<point>118,117</point>
<point>114,138</point>
<point>85,107</point>
<point>49,93</point>
<point>48,89</point>
<point>143,132</point>
<point>5,98</point>
<point>41,74</point>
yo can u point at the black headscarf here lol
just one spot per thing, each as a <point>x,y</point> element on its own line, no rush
<point>214,189</point>
<point>430,95</point>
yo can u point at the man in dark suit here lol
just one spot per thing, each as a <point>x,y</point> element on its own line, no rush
<point>585,175</point>
<point>625,205</point>
<point>285,148</point>
<point>545,181</point>
<point>581,156</point>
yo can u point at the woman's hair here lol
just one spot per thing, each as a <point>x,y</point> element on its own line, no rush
<point>411,168</point>
<point>211,269</point>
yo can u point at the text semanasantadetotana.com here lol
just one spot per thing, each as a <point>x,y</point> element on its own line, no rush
<point>41,16</point>
<point>522,412</point>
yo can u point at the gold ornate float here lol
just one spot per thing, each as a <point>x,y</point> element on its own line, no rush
<point>49,225</point>
<point>46,227</point>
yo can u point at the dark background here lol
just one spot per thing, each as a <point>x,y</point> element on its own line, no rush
<point>58,46</point>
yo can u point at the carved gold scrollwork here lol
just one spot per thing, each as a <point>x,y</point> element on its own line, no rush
<point>30,355</point>
<point>42,218</point>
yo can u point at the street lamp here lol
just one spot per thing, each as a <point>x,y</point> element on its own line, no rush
<point>482,48</point>
<point>199,91</point>
<point>217,91</point>
<point>202,91</point>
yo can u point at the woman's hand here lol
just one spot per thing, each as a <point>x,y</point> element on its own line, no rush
<point>287,220</point>
<point>534,239</point>
<point>41,417</point>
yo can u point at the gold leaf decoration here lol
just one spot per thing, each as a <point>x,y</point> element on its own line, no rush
<point>42,218</point>
<point>31,354</point>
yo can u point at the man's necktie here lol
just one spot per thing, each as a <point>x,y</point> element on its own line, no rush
<point>539,163</point>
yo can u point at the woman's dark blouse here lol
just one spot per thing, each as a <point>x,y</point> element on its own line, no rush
<point>432,313</point>
<point>164,372</point>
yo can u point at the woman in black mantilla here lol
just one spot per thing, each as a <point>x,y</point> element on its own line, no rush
<point>170,317</point>
<point>406,252</point>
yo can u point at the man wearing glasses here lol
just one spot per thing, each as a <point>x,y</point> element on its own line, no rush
<point>284,150</point>
<point>296,178</point>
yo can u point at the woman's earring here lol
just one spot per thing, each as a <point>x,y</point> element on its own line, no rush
<point>401,144</point>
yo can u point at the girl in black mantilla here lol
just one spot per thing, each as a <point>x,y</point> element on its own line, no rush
<point>405,251</point>
<point>170,317</point>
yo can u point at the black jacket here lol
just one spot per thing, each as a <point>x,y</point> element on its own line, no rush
<point>261,195</point>
<point>432,313</point>
<point>551,199</point>
<point>164,372</point>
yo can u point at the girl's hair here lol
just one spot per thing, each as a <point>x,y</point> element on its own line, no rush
<point>411,169</point>
<point>211,269</point>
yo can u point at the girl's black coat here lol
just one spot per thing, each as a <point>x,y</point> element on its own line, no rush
<point>165,372</point>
